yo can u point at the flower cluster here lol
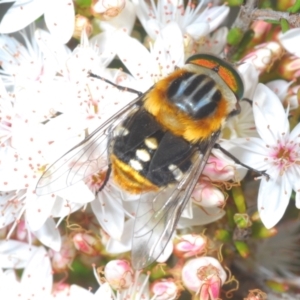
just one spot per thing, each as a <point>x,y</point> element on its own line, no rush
<point>71,75</point>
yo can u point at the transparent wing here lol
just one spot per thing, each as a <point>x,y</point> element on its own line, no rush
<point>87,158</point>
<point>158,213</point>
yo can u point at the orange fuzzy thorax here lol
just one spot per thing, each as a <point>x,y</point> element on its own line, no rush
<point>178,122</point>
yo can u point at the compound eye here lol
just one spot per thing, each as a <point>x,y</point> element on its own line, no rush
<point>225,70</point>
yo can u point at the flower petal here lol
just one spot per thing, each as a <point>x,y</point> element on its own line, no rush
<point>21,14</point>
<point>295,134</point>
<point>273,198</point>
<point>49,235</point>
<point>104,292</point>
<point>289,41</point>
<point>201,216</point>
<point>166,253</point>
<point>152,27</point>
<point>215,43</point>
<point>250,79</point>
<point>14,205</point>
<point>105,44</point>
<point>78,292</point>
<point>279,87</point>
<point>270,117</point>
<point>64,207</point>
<point>292,173</point>
<point>9,283</point>
<point>60,19</point>
<point>215,16</point>
<point>15,254</point>
<point>124,244</point>
<point>109,212</point>
<point>78,193</point>
<point>251,151</point>
<point>124,21</point>
<point>168,48</point>
<point>37,276</point>
<point>137,59</point>
<point>38,210</point>
<point>198,30</point>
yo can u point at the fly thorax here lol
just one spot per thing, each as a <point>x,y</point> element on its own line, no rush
<point>192,102</point>
<point>204,89</point>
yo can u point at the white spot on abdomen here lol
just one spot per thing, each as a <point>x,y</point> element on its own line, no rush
<point>177,173</point>
<point>135,164</point>
<point>151,143</point>
<point>143,155</point>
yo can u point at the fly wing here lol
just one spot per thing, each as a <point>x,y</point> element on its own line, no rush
<point>87,158</point>
<point>158,212</point>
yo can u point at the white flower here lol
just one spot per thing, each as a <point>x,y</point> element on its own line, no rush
<point>23,64</point>
<point>195,22</point>
<point>147,67</point>
<point>277,152</point>
<point>59,17</point>
<point>36,280</point>
<point>45,117</point>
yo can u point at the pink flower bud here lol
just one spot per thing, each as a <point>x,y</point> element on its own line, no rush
<point>164,289</point>
<point>204,276</point>
<point>289,67</point>
<point>63,259</point>
<point>87,243</point>
<point>261,29</point>
<point>107,9</point>
<point>264,55</point>
<point>190,245</point>
<point>82,23</point>
<point>218,169</point>
<point>207,195</point>
<point>119,274</point>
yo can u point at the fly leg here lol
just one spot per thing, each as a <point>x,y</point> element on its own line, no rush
<point>237,161</point>
<point>121,88</point>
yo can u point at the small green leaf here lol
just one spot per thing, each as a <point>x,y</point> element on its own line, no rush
<point>223,235</point>
<point>234,36</point>
<point>278,287</point>
<point>239,200</point>
<point>235,2</point>
<point>242,248</point>
<point>83,3</point>
<point>295,8</point>
<point>259,231</point>
<point>285,26</point>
